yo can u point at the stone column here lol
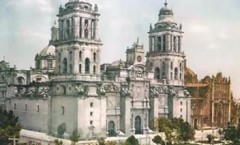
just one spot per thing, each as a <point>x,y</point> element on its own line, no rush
<point>83,27</point>
<point>75,61</point>
<point>155,43</point>
<point>179,43</point>
<point>96,29</point>
<point>80,27</point>
<point>75,27</point>
<point>60,29</point>
<point>90,29</point>
<point>171,43</point>
<point>167,42</point>
<point>150,44</point>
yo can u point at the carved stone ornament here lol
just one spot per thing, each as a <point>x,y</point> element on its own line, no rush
<point>101,91</point>
<point>82,89</point>
<point>111,88</point>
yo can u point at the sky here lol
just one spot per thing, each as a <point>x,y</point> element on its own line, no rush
<point>211,28</point>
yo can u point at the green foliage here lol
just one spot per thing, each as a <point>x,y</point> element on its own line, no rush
<point>186,132</point>
<point>210,138</point>
<point>61,130</point>
<point>101,141</point>
<point>111,143</point>
<point>163,124</point>
<point>9,126</point>
<point>58,142</point>
<point>74,137</point>
<point>158,140</point>
<point>132,141</point>
<point>232,133</point>
<point>175,130</point>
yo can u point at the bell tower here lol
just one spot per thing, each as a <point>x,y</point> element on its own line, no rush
<point>165,56</point>
<point>78,46</point>
<point>135,54</point>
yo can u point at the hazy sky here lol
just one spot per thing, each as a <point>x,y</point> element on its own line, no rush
<point>211,39</point>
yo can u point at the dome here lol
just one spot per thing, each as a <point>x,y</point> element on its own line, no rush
<point>49,50</point>
<point>166,14</point>
<point>86,1</point>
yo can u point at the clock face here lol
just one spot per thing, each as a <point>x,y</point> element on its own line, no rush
<point>139,58</point>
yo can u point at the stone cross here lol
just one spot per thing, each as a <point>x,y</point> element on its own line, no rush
<point>14,140</point>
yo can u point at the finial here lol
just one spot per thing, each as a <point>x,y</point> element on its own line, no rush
<point>165,3</point>
<point>137,40</point>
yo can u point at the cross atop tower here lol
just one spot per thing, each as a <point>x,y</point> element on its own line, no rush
<point>165,3</point>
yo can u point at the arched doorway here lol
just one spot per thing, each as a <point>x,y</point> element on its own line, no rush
<point>195,123</point>
<point>138,125</point>
<point>111,129</point>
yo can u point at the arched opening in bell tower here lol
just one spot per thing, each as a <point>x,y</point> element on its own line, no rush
<point>87,66</point>
<point>176,73</point>
<point>157,73</point>
<point>65,65</point>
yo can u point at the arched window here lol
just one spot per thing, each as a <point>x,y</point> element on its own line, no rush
<point>94,57</point>
<point>87,66</point>
<point>180,65</point>
<point>80,55</point>
<point>94,69</point>
<point>64,90</point>
<point>138,125</point>
<point>111,129</point>
<point>59,68</point>
<point>176,73</point>
<point>70,55</point>
<point>70,68</point>
<point>65,65</point>
<point>59,56</point>
<point>37,63</point>
<point>164,66</point>
<point>80,68</point>
<point>21,80</point>
<point>49,63</point>
<point>157,73</point>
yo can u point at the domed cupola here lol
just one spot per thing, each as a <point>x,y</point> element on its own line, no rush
<point>48,51</point>
<point>45,60</point>
<point>165,14</point>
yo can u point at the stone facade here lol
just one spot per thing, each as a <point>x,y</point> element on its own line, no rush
<point>69,89</point>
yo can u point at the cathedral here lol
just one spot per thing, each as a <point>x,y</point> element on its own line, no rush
<point>70,89</point>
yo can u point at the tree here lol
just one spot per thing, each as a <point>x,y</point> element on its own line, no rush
<point>101,141</point>
<point>186,132</point>
<point>132,141</point>
<point>9,126</point>
<point>158,140</point>
<point>163,124</point>
<point>57,142</point>
<point>232,133</point>
<point>210,138</point>
<point>74,137</point>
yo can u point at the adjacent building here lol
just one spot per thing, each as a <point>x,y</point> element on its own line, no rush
<point>211,99</point>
